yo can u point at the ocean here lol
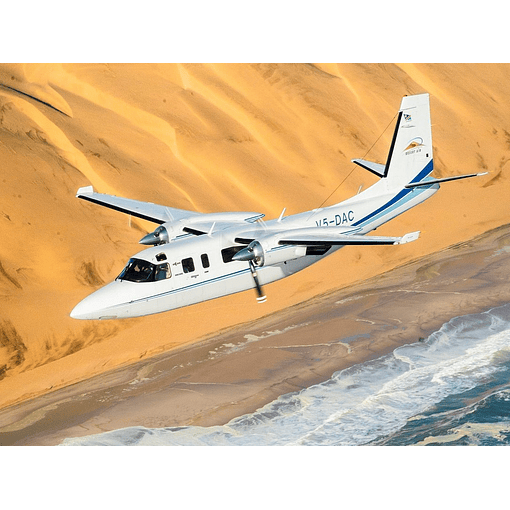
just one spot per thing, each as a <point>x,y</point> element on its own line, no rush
<point>452,388</point>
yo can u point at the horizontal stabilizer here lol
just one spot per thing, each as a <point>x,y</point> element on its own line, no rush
<point>375,168</point>
<point>444,179</point>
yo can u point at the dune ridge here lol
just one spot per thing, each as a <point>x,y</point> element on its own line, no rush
<point>211,137</point>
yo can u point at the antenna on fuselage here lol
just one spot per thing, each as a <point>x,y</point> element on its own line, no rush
<point>353,168</point>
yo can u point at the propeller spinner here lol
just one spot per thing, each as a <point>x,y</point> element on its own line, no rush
<point>159,236</point>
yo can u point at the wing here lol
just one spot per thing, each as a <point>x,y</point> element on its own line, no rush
<point>145,210</point>
<point>319,236</point>
<point>194,223</point>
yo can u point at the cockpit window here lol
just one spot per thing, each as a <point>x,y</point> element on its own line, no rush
<point>163,271</point>
<point>138,270</point>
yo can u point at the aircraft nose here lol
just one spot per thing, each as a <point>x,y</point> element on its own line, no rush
<point>86,309</point>
<point>96,305</point>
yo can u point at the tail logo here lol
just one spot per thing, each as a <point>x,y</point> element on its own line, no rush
<point>413,144</point>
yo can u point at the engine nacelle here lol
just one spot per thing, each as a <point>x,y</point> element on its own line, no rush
<point>162,235</point>
<point>263,254</point>
<point>279,254</point>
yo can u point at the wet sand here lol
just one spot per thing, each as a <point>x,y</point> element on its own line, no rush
<point>239,370</point>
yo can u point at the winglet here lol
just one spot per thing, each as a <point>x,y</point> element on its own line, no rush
<point>87,190</point>
<point>409,238</point>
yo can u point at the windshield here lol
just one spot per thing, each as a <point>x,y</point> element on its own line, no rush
<point>138,270</point>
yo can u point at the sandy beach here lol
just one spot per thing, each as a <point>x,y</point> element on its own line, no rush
<point>241,369</point>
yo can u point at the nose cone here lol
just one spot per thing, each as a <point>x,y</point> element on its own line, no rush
<point>99,305</point>
<point>85,309</point>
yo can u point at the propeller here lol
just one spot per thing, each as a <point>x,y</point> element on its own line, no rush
<point>254,255</point>
<point>260,293</point>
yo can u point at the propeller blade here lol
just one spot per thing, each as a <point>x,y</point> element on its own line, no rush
<point>260,293</point>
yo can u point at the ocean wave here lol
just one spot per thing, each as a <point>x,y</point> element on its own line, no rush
<point>361,404</point>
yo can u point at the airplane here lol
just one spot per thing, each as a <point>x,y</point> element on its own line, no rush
<point>194,257</point>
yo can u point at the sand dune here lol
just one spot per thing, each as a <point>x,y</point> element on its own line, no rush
<point>211,138</point>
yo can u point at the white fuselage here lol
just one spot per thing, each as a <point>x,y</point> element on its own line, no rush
<point>200,266</point>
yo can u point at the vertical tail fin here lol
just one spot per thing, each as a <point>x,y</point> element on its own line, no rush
<point>410,156</point>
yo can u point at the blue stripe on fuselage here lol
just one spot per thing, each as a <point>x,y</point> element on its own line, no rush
<point>192,286</point>
<point>426,171</point>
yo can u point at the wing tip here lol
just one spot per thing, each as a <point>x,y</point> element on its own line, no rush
<point>409,238</point>
<point>86,190</point>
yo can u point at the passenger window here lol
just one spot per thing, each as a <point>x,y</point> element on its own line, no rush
<point>228,253</point>
<point>205,261</point>
<point>188,265</point>
<point>163,272</point>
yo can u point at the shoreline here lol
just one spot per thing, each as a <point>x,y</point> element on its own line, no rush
<point>241,369</point>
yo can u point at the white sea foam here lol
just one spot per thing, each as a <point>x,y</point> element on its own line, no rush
<point>361,403</point>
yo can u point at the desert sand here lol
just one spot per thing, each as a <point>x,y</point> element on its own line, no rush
<point>212,138</point>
